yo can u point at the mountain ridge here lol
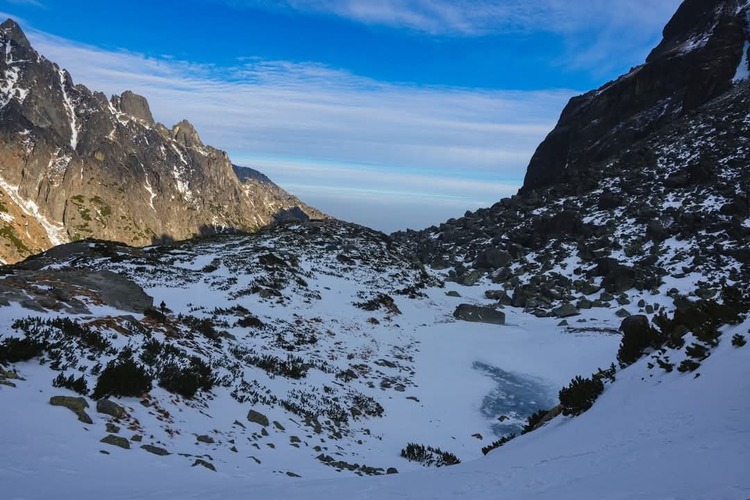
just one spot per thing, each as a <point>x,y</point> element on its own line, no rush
<point>698,57</point>
<point>76,165</point>
<point>282,360</point>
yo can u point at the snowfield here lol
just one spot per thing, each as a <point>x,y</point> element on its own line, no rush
<point>441,382</point>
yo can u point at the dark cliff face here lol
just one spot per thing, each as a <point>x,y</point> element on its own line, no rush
<point>74,164</point>
<point>696,61</point>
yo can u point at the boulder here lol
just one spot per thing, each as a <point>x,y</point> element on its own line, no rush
<point>107,407</point>
<point>493,258</point>
<point>479,314</point>
<point>258,418</point>
<point>635,324</point>
<point>76,405</point>
<point>156,450</point>
<point>116,441</point>
<point>566,310</point>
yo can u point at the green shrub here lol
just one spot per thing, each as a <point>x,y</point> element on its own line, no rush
<point>151,351</point>
<point>635,342</point>
<point>606,375</point>
<point>13,350</point>
<point>78,385</point>
<point>92,339</point>
<point>688,365</point>
<point>204,326</point>
<point>533,420</point>
<point>186,381</point>
<point>697,351</point>
<point>250,322</point>
<point>429,456</point>
<point>123,377</point>
<point>580,395</point>
<point>499,442</point>
<point>738,340</point>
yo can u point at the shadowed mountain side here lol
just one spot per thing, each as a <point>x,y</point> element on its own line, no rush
<point>696,61</point>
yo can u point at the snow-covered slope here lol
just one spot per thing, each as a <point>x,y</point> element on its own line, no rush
<point>373,374</point>
<point>439,381</point>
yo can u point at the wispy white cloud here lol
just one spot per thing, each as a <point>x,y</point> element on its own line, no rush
<point>34,3</point>
<point>478,17</point>
<point>596,33</point>
<point>433,144</point>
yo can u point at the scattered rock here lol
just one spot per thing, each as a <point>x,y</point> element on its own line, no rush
<point>116,441</point>
<point>110,408</point>
<point>156,450</point>
<point>205,464</point>
<point>566,311</point>
<point>76,405</point>
<point>479,314</point>
<point>203,438</point>
<point>493,258</point>
<point>622,313</point>
<point>258,418</point>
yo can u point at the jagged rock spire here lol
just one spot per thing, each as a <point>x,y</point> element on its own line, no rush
<point>13,31</point>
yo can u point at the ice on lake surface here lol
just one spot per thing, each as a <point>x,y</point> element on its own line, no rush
<point>515,397</point>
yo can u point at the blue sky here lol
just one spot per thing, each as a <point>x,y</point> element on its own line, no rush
<point>390,113</point>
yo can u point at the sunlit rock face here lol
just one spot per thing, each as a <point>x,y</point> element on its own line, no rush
<point>74,165</point>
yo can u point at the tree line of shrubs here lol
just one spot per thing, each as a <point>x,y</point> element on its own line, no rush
<point>428,455</point>
<point>123,376</point>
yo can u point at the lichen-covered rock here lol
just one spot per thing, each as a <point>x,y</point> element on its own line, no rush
<point>113,440</point>
<point>76,405</point>
<point>108,407</point>
<point>156,450</point>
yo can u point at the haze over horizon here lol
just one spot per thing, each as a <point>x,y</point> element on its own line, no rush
<point>392,114</point>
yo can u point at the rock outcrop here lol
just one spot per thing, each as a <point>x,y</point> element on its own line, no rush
<point>76,165</point>
<point>643,182</point>
<point>700,54</point>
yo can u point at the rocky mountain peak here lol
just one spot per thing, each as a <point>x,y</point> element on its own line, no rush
<point>185,133</point>
<point>76,165</point>
<point>697,60</point>
<point>133,105</point>
<point>12,31</point>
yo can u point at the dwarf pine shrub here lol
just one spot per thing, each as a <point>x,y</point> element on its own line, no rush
<point>123,377</point>
<point>580,395</point>
<point>78,385</point>
<point>429,456</point>
<point>13,350</point>
<point>498,443</point>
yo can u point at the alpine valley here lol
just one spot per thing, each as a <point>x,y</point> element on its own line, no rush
<point>585,338</point>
